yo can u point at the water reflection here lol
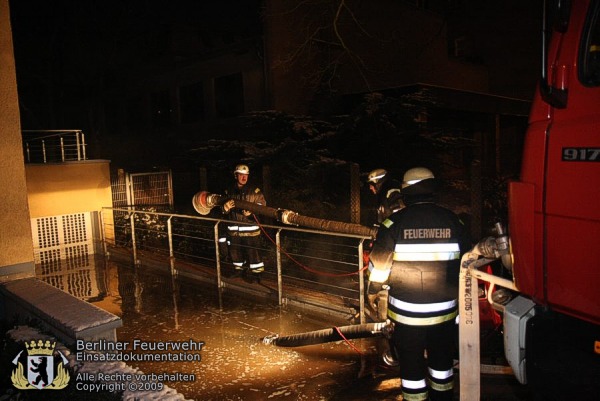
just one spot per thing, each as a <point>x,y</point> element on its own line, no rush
<point>78,276</point>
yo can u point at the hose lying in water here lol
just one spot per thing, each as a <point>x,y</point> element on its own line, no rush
<point>329,335</point>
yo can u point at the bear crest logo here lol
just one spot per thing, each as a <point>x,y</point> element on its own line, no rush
<point>41,372</point>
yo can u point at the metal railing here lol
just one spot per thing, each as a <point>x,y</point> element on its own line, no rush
<point>318,269</point>
<point>53,146</point>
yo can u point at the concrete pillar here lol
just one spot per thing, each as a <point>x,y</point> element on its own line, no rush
<point>16,246</point>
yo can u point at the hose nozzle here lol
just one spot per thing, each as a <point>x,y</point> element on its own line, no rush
<point>203,202</point>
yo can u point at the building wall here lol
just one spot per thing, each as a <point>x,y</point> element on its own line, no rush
<point>140,87</point>
<point>16,249</point>
<point>365,52</point>
<point>66,188</point>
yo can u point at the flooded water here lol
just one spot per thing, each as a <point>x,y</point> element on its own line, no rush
<point>235,364</point>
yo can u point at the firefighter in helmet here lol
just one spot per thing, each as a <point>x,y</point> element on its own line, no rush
<point>244,236</point>
<point>387,191</point>
<point>389,200</point>
<point>417,254</point>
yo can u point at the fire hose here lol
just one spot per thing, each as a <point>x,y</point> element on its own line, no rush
<point>203,202</point>
<point>332,334</point>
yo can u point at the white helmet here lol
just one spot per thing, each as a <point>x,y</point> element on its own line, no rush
<point>376,175</point>
<point>241,169</point>
<point>415,175</point>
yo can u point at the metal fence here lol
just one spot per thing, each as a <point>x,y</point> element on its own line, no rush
<point>54,146</point>
<point>154,188</point>
<point>142,189</point>
<point>308,268</point>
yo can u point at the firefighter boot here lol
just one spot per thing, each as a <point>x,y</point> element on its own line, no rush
<point>257,273</point>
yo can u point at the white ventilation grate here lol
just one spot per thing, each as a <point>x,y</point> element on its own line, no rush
<point>62,237</point>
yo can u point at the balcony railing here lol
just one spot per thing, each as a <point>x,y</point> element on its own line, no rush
<point>54,146</point>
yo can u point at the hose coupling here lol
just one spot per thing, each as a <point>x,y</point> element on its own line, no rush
<point>385,328</point>
<point>487,248</point>
<point>212,200</point>
<point>203,202</point>
<point>286,216</point>
<point>268,340</point>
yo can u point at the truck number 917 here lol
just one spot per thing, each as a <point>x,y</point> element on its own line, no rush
<point>581,154</point>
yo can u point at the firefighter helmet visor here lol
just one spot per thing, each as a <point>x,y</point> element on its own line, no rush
<point>376,175</point>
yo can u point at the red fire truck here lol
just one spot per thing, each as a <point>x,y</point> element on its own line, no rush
<point>552,241</point>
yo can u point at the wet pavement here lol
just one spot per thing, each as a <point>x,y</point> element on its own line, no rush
<point>235,364</point>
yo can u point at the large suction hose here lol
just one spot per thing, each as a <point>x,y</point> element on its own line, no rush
<point>329,335</point>
<point>204,202</point>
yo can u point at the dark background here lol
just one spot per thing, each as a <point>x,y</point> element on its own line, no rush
<point>72,58</point>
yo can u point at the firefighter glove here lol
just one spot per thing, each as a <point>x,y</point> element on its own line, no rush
<point>227,206</point>
<point>372,301</point>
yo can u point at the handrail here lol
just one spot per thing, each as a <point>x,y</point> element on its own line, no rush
<point>290,228</point>
<point>336,264</point>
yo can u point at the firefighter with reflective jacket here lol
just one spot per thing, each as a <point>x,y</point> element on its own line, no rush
<point>244,237</point>
<point>387,191</point>
<point>417,254</point>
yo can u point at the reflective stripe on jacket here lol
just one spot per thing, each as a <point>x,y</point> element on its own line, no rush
<point>426,252</point>
<point>421,314</point>
<point>248,193</point>
<point>417,252</point>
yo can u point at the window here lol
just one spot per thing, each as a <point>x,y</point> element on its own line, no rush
<point>589,70</point>
<point>229,95</point>
<point>191,103</point>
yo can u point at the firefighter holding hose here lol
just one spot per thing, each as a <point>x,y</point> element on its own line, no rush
<point>244,236</point>
<point>417,255</point>
<point>389,200</point>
